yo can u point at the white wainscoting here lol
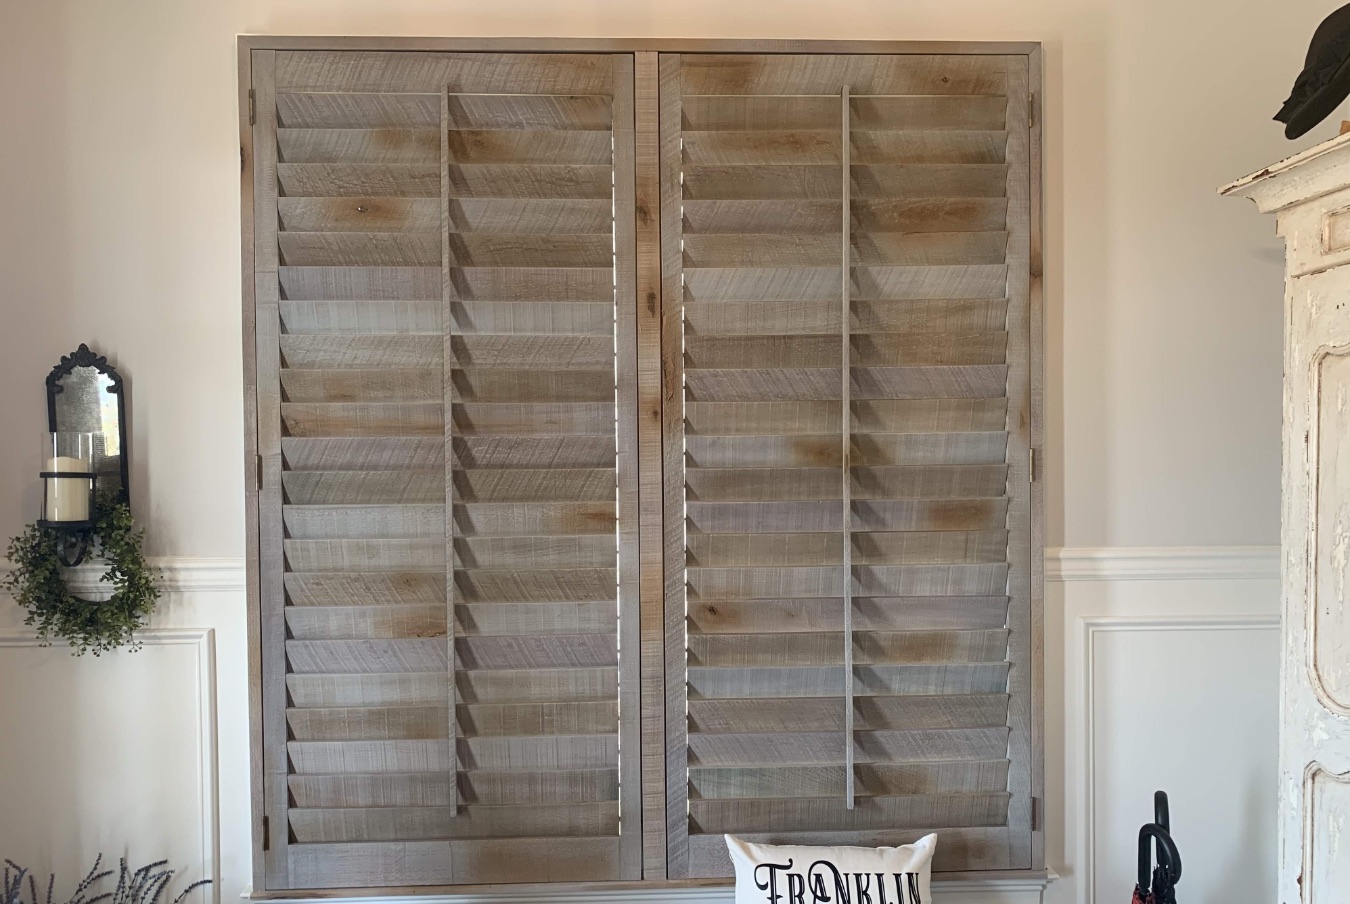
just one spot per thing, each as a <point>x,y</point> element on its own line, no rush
<point>1163,671</point>
<point>1200,620</point>
<point>1151,717</point>
<point>85,742</point>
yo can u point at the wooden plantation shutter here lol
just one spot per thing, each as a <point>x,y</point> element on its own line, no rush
<point>923,710</point>
<point>446,485</point>
<point>643,453</point>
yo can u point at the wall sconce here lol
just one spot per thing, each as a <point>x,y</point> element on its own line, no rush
<point>84,449</point>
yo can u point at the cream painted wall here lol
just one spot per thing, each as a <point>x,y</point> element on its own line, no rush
<point>120,228</point>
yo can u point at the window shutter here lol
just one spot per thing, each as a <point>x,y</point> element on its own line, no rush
<point>644,453</point>
<point>437,253</point>
<point>924,714</point>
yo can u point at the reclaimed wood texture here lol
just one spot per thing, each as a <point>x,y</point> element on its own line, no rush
<point>673,571</point>
<point>855,306</point>
<point>653,544</point>
<point>269,466</point>
<point>449,505</point>
<point>501,298</point>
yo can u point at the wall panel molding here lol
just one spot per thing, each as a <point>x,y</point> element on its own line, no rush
<point>204,676</point>
<point>1090,628</point>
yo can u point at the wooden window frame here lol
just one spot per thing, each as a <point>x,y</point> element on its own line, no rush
<point>653,482</point>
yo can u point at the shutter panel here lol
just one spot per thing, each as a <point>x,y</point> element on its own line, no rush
<point>916,696</point>
<point>838,566</point>
<point>445,491</point>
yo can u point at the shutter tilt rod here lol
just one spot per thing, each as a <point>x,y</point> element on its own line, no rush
<point>447,297</point>
<point>846,438</point>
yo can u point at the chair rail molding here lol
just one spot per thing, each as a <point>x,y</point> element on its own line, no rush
<point>179,574</point>
<point>189,574</point>
<point>1162,563</point>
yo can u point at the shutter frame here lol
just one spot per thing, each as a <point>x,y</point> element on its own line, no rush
<point>258,59</point>
<point>263,279</point>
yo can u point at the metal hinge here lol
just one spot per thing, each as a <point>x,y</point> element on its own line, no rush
<point>267,834</point>
<point>1036,814</point>
<point>252,107</point>
<point>1033,463</point>
<point>1031,110</point>
<point>260,471</point>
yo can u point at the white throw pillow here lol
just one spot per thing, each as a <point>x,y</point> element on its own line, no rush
<point>805,874</point>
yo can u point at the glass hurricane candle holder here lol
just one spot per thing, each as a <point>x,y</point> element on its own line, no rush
<point>68,480</point>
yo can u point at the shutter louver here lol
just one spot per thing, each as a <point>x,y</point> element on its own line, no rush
<point>938,430</point>
<point>437,310</point>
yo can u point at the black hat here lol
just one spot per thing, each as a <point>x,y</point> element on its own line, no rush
<point>1325,79</point>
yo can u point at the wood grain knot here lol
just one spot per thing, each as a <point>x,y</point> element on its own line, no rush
<point>815,451</point>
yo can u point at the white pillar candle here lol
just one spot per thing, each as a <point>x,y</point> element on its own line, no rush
<point>67,497</point>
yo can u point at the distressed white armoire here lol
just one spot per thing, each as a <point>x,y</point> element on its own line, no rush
<point>1310,197</point>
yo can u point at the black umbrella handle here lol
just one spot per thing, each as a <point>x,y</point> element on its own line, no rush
<point>1161,816</point>
<point>1168,856</point>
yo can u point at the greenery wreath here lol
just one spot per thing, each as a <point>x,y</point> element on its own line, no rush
<point>37,583</point>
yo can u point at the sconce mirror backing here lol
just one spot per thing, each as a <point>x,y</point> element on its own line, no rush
<point>84,395</point>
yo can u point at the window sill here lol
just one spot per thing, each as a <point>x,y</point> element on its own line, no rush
<point>1001,885</point>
